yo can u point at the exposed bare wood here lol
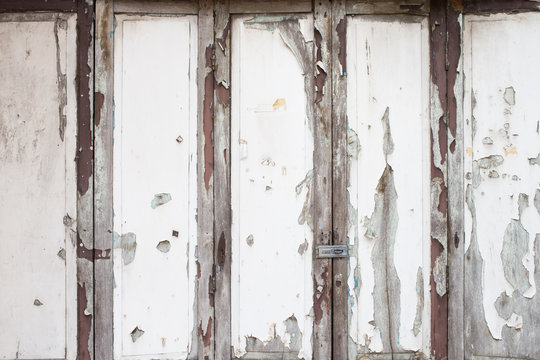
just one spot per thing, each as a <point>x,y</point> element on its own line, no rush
<point>365,7</point>
<point>222,176</point>
<point>340,319</point>
<point>169,7</point>
<point>495,6</point>
<point>439,296</point>
<point>322,181</point>
<point>456,195</point>
<point>85,188</point>
<point>38,5</point>
<point>272,6</point>
<point>205,183</point>
<point>103,185</point>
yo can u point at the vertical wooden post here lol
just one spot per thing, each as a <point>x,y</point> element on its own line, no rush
<point>222,179</point>
<point>103,180</point>
<point>439,193</point>
<point>205,183</point>
<point>340,320</point>
<point>85,188</point>
<point>322,182</point>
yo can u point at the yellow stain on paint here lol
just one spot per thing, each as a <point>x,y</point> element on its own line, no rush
<point>510,150</point>
<point>279,103</point>
<point>469,151</point>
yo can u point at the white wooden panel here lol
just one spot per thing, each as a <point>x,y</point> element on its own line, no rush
<point>154,186</point>
<point>389,235</point>
<point>271,162</point>
<point>502,166</point>
<point>38,187</point>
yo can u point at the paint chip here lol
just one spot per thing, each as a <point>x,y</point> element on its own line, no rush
<point>175,233</point>
<point>136,334</point>
<point>37,302</point>
<point>160,199</point>
<point>179,139</point>
<point>68,221</point>
<point>62,254</point>
<point>535,161</point>
<point>164,246</point>
<point>486,141</point>
<point>490,162</point>
<point>249,240</point>
<point>510,95</point>
<point>279,103</point>
<point>303,247</point>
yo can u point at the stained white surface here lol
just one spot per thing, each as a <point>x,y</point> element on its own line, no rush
<point>500,52</point>
<point>155,103</point>
<point>38,188</point>
<point>388,67</point>
<point>271,154</point>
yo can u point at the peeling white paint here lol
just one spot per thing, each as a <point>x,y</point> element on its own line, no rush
<point>270,281</point>
<point>155,182</point>
<point>38,182</point>
<point>388,64</point>
<point>506,114</point>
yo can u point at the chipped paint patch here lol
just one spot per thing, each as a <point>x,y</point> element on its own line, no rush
<point>353,144</point>
<point>387,288</point>
<point>515,247</point>
<point>164,246</point>
<point>136,334</point>
<point>160,199</point>
<point>417,325</point>
<point>490,162</point>
<point>249,240</point>
<point>305,215</point>
<point>535,161</point>
<point>510,95</point>
<point>128,243</point>
<point>37,302</point>
<point>303,247</point>
<point>279,103</point>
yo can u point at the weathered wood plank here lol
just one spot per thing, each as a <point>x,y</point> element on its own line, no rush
<point>340,176</point>
<point>456,196</point>
<point>169,7</point>
<point>322,180</point>
<point>205,183</point>
<point>439,297</point>
<point>222,178</point>
<point>38,5</point>
<point>272,6</point>
<point>103,181</point>
<point>85,188</point>
<point>366,7</point>
<point>496,6</point>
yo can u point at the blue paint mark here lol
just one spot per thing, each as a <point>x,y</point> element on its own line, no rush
<point>196,252</point>
<point>345,73</point>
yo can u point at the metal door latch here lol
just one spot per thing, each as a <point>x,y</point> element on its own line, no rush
<point>332,251</point>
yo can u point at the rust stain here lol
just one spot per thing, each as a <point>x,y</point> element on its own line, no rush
<point>468,150</point>
<point>341,30</point>
<point>457,4</point>
<point>198,269</point>
<point>321,299</point>
<point>84,324</point>
<point>84,121</point>
<point>211,286</point>
<point>99,100</point>
<point>510,150</point>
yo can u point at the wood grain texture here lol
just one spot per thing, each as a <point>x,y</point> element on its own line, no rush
<point>272,6</point>
<point>184,7</point>
<point>340,320</point>
<point>322,181</point>
<point>38,5</point>
<point>222,179</point>
<point>439,297</point>
<point>456,196</point>
<point>85,188</point>
<point>205,185</point>
<point>495,6</point>
<point>103,181</point>
<point>365,7</point>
